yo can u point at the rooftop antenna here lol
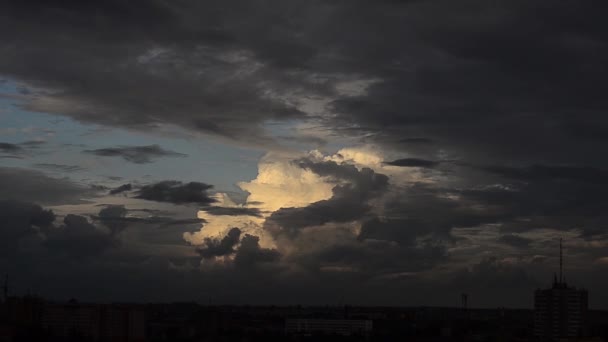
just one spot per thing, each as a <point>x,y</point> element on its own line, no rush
<point>561,262</point>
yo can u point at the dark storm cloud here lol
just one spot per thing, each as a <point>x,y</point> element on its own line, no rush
<point>10,148</point>
<point>561,199</point>
<point>118,217</point>
<point>177,222</point>
<point>487,83</point>
<point>136,154</point>
<point>77,237</point>
<point>20,219</point>
<point>215,248</point>
<point>542,173</point>
<point>362,184</point>
<point>151,64</point>
<point>34,186</point>
<point>397,230</point>
<point>341,208</point>
<point>250,254</point>
<point>176,192</point>
<point>348,203</point>
<point>414,162</point>
<point>417,141</point>
<point>421,210</point>
<point>468,83</point>
<point>501,71</point>
<point>515,240</point>
<point>112,217</point>
<point>318,142</point>
<point>233,211</point>
<point>493,275</point>
<point>121,189</point>
<point>373,258</point>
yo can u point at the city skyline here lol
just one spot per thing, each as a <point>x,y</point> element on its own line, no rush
<point>375,153</point>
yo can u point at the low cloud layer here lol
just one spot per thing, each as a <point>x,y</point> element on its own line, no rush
<point>176,192</point>
<point>20,150</point>
<point>135,154</point>
<point>413,162</point>
<point>34,186</point>
<point>121,189</point>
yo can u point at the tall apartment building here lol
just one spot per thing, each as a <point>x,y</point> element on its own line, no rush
<point>560,312</point>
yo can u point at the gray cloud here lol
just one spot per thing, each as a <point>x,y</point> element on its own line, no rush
<point>10,148</point>
<point>414,162</point>
<point>546,172</point>
<point>417,141</point>
<point>121,189</point>
<point>135,154</point>
<point>77,237</point>
<point>495,275</point>
<point>215,248</point>
<point>485,83</point>
<point>34,186</point>
<point>178,222</point>
<point>232,211</point>
<point>35,143</point>
<point>163,80</point>
<point>453,81</point>
<point>515,240</point>
<point>112,217</point>
<point>422,210</point>
<point>19,220</point>
<point>348,203</point>
<point>560,198</point>
<point>176,192</point>
<point>59,167</point>
<point>118,217</point>
<point>18,151</point>
<point>250,254</point>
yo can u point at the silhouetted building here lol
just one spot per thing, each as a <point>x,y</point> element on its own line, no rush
<point>20,317</point>
<point>94,322</point>
<point>344,327</point>
<point>560,312</point>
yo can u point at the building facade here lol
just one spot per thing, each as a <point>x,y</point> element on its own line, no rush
<point>94,322</point>
<point>560,312</point>
<point>343,327</point>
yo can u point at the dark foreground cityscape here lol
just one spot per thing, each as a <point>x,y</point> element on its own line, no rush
<point>560,314</point>
<point>34,319</point>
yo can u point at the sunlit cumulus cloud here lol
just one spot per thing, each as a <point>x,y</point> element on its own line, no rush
<point>311,195</point>
<point>280,184</point>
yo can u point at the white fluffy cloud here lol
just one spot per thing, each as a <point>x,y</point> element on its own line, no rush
<point>281,183</point>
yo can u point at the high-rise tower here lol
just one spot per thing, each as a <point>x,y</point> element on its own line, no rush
<point>560,311</point>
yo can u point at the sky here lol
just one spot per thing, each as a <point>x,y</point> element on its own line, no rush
<point>314,152</point>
